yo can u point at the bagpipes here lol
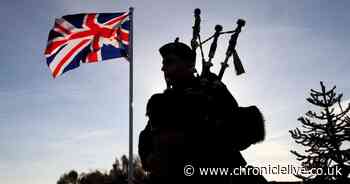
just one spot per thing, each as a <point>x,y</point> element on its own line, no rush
<point>231,49</point>
<point>250,120</point>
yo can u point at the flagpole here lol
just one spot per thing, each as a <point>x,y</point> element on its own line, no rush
<point>131,72</point>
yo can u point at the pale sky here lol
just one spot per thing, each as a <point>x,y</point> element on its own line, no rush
<point>80,120</point>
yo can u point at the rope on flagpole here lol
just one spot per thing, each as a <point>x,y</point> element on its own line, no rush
<point>130,57</point>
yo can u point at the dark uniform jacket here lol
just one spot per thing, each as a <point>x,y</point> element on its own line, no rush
<point>193,124</point>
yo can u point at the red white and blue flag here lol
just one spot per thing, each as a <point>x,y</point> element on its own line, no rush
<point>86,38</point>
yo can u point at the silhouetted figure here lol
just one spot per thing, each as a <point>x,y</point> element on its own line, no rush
<point>193,122</point>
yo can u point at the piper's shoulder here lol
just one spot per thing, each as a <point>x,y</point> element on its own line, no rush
<point>156,97</point>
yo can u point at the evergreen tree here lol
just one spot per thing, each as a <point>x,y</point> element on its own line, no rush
<point>117,175</point>
<point>326,134</point>
<point>70,178</point>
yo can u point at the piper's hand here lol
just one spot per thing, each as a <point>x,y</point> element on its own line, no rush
<point>194,44</point>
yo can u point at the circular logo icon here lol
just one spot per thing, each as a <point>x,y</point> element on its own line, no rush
<point>188,170</point>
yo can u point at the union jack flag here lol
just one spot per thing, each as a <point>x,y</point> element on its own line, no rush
<point>86,38</point>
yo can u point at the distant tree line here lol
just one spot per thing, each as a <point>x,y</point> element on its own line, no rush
<point>117,175</point>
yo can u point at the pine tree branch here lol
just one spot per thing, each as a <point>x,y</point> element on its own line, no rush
<point>323,88</point>
<point>343,113</point>
<point>315,115</point>
<point>299,156</point>
<point>317,93</point>
<point>317,102</point>
<point>307,122</point>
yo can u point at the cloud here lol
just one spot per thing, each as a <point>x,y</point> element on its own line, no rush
<point>271,154</point>
<point>345,103</point>
<point>94,134</point>
<point>84,136</point>
<point>263,151</point>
